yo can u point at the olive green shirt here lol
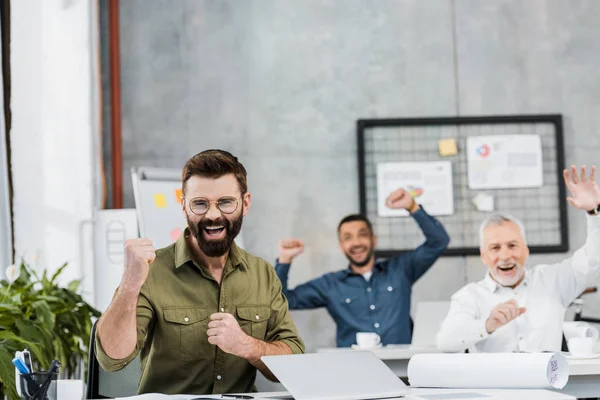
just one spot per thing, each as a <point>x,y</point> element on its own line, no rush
<point>173,312</point>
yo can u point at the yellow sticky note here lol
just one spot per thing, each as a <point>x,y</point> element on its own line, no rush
<point>160,201</point>
<point>447,147</point>
<point>178,194</point>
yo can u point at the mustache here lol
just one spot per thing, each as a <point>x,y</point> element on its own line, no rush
<point>211,223</point>
<point>507,263</point>
<point>358,248</point>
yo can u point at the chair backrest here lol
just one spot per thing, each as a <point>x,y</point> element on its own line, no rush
<point>106,385</point>
<point>429,316</point>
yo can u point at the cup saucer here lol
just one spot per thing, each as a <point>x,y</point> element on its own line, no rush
<point>357,347</point>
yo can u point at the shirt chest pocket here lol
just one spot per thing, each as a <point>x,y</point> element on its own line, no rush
<point>185,333</point>
<point>253,320</point>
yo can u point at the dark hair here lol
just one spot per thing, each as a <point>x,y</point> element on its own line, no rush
<point>214,164</point>
<point>355,217</point>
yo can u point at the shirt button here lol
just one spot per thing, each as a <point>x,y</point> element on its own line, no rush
<point>257,317</point>
<point>376,325</point>
<point>521,338</point>
<point>369,290</point>
<point>186,319</point>
<point>222,309</point>
<point>390,288</point>
<point>348,300</point>
<point>218,377</point>
<point>372,306</point>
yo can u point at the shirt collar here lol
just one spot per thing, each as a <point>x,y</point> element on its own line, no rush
<point>491,285</point>
<point>348,271</point>
<point>183,253</point>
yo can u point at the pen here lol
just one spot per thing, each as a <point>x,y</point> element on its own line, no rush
<point>20,366</point>
<point>41,393</point>
<point>27,359</point>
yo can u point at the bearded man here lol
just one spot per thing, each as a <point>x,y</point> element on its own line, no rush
<point>369,295</point>
<point>202,311</point>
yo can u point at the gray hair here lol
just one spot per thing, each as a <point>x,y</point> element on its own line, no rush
<point>499,219</point>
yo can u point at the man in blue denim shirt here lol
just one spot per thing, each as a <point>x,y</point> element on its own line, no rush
<point>367,296</point>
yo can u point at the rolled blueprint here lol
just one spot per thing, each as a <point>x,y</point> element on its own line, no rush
<point>573,329</point>
<point>489,370</point>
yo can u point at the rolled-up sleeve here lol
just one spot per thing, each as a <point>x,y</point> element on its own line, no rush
<point>144,318</point>
<point>281,327</point>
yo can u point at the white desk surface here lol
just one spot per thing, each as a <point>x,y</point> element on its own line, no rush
<point>584,367</point>
<point>415,394</point>
<point>390,352</point>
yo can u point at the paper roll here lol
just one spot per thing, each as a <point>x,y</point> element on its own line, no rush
<point>489,370</point>
<point>573,329</point>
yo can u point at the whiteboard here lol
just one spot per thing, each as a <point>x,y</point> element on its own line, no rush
<point>157,193</point>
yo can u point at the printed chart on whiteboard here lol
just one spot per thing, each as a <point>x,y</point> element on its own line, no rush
<point>504,161</point>
<point>429,183</point>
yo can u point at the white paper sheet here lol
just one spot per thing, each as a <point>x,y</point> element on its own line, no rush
<point>504,161</point>
<point>489,370</point>
<point>429,183</point>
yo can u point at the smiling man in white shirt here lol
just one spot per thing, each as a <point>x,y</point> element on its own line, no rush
<point>515,308</point>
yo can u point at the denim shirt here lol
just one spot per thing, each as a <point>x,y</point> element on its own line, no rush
<point>381,304</point>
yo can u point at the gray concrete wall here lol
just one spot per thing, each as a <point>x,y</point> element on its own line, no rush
<point>281,84</point>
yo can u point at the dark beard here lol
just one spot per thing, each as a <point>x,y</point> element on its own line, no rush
<point>362,263</point>
<point>216,248</point>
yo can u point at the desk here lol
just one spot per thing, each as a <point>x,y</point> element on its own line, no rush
<point>415,394</point>
<point>584,375</point>
<point>584,378</point>
<point>395,356</point>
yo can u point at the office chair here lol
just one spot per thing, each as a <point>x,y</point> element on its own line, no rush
<point>107,385</point>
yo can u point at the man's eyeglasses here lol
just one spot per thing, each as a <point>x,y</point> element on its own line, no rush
<point>200,205</point>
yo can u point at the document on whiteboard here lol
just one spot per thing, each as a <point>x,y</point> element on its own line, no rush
<point>504,161</point>
<point>429,183</point>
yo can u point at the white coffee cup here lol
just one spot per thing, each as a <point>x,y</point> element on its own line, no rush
<point>367,339</point>
<point>70,389</point>
<point>581,346</point>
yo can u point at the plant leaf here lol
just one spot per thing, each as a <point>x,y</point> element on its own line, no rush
<point>7,374</point>
<point>74,285</point>
<point>58,272</point>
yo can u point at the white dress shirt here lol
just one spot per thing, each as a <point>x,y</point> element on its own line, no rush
<point>546,292</point>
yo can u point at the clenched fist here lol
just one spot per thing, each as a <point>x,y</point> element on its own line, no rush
<point>139,253</point>
<point>289,249</point>
<point>401,199</point>
<point>502,314</point>
<point>225,332</point>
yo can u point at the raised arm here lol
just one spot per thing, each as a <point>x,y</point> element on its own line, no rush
<point>571,276</point>
<point>436,238</point>
<point>312,294</point>
<point>126,320</point>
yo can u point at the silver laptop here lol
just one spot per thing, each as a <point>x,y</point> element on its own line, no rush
<point>429,316</point>
<point>344,375</point>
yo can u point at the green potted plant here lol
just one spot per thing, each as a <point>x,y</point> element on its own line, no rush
<point>53,322</point>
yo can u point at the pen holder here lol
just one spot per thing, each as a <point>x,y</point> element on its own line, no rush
<point>36,386</point>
